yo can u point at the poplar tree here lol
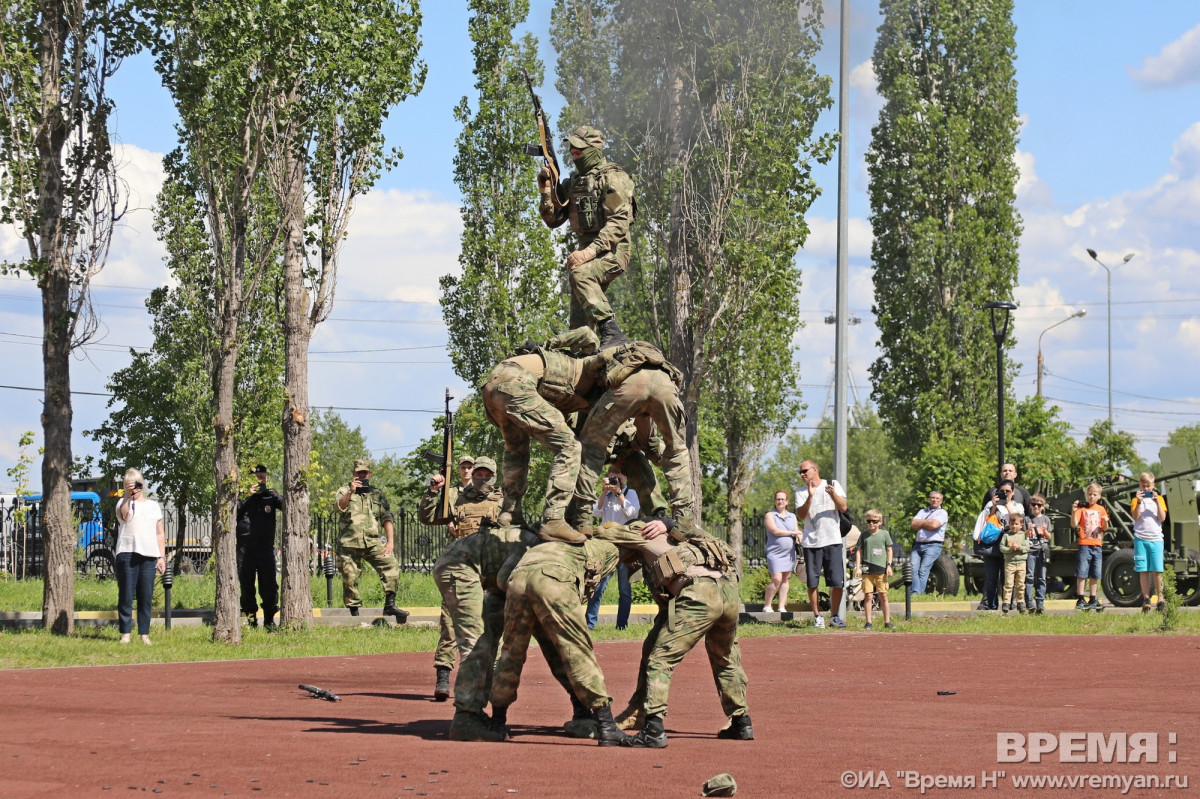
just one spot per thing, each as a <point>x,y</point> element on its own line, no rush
<point>942,188</point>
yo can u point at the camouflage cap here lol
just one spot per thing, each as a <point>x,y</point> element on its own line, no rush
<point>485,463</point>
<point>586,136</point>
<point>362,465</point>
<point>465,459</point>
<point>720,785</point>
<point>581,339</point>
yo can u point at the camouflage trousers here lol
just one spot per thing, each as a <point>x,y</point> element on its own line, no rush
<point>548,597</point>
<point>589,303</point>
<point>708,609</point>
<point>646,395</point>
<point>350,565</point>
<point>462,611</point>
<point>512,403</point>
<point>473,686</point>
<point>635,464</point>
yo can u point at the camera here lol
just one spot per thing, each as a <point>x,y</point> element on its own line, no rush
<point>364,486</point>
<point>138,485</point>
<point>612,481</point>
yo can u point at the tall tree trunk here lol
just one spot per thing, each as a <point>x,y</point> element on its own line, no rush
<point>679,278</point>
<point>58,533</point>
<point>296,606</point>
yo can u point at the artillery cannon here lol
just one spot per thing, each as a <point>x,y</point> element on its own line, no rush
<point>1181,533</point>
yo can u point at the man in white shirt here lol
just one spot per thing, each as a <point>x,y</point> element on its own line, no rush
<point>930,524</point>
<point>617,503</point>
<point>819,505</point>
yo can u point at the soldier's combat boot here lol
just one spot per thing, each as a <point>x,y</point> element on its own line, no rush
<point>390,609</point>
<point>739,729</point>
<point>607,733</point>
<point>468,726</point>
<point>559,530</point>
<point>632,718</point>
<point>441,686</point>
<point>582,723</point>
<point>269,623</point>
<point>499,723</point>
<point>251,619</point>
<point>610,334</point>
<point>353,611</point>
<point>652,736</point>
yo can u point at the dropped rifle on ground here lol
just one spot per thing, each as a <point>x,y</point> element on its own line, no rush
<point>321,693</point>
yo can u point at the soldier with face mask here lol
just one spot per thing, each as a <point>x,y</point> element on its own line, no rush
<point>476,501</point>
<point>526,396</point>
<point>601,209</point>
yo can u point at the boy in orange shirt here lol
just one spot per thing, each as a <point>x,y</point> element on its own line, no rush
<point>1091,520</point>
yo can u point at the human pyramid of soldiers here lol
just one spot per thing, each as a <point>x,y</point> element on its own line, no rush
<point>590,396</point>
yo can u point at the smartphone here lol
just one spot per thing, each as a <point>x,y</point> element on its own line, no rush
<point>1148,494</point>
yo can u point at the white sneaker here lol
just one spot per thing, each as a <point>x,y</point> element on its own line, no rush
<point>819,623</point>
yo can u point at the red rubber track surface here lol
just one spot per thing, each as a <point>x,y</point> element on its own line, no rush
<point>821,705</point>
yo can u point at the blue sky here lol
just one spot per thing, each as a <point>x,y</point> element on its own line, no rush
<point>1109,96</point>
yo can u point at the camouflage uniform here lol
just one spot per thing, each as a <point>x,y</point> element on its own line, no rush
<point>471,508</point>
<point>705,605</point>
<point>361,537</point>
<point>524,404</point>
<point>633,450</point>
<point>647,395</point>
<point>601,210</point>
<point>549,588</point>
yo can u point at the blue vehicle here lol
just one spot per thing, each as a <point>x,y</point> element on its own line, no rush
<point>87,505</point>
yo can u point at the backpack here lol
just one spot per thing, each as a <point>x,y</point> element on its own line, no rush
<point>991,531</point>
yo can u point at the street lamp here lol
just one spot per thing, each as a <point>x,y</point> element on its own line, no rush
<point>1076,315</point>
<point>1108,273</point>
<point>1000,332</point>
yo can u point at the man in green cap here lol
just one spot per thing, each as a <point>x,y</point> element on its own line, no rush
<point>366,533</point>
<point>601,209</point>
<point>526,396</point>
<point>476,501</point>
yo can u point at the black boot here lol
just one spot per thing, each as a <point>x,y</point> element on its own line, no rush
<point>441,687</point>
<point>610,334</point>
<point>353,611</point>
<point>739,729</point>
<point>499,722</point>
<point>652,736</point>
<point>269,622</point>
<point>608,733</point>
<point>390,609</point>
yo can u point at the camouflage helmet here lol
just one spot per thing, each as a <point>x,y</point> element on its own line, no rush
<point>586,136</point>
<point>581,339</point>
<point>485,463</point>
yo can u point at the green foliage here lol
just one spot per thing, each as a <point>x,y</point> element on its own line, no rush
<point>509,287</point>
<point>1106,452</point>
<point>335,447</point>
<point>876,479</point>
<point>1172,601</point>
<point>19,473</point>
<point>961,468</point>
<point>1039,443</point>
<point>942,185</point>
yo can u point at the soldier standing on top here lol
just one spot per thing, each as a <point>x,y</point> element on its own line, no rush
<point>366,533</point>
<point>601,208</point>
<point>256,550</point>
<point>477,500</point>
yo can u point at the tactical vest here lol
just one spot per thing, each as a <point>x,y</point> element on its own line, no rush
<point>472,508</point>
<point>558,381</point>
<point>587,193</point>
<point>629,358</point>
<point>708,552</point>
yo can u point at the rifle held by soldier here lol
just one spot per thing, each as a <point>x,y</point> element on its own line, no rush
<point>545,150</point>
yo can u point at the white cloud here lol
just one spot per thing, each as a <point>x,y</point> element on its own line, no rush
<point>1030,188</point>
<point>1177,64</point>
<point>822,237</point>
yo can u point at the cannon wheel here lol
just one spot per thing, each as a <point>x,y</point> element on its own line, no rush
<point>100,563</point>
<point>943,577</point>
<point>1189,589</point>
<point>974,584</point>
<point>1121,583</point>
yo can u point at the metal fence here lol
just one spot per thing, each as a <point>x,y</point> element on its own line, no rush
<point>417,545</point>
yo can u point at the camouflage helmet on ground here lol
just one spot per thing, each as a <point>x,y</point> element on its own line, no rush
<point>586,136</point>
<point>720,785</point>
<point>485,463</point>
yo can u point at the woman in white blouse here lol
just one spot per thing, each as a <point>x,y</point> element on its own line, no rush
<point>141,547</point>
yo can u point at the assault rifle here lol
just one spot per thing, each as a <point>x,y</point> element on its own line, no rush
<point>445,462</point>
<point>321,693</point>
<point>545,150</point>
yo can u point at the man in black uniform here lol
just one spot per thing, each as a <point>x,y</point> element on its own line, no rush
<point>256,550</point>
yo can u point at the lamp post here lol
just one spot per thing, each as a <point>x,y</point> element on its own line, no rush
<point>999,333</point>
<point>1080,313</point>
<point>1108,274</point>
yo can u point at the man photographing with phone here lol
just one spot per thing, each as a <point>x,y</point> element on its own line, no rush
<point>366,533</point>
